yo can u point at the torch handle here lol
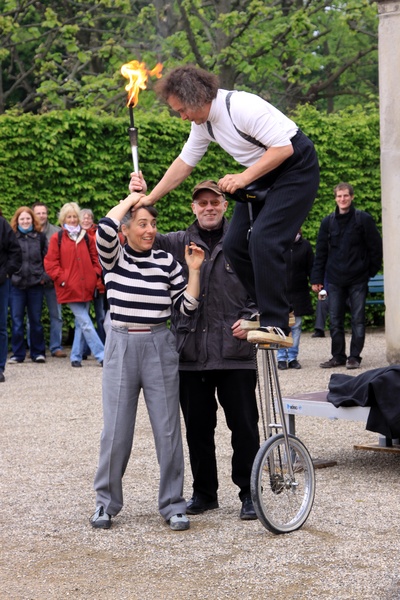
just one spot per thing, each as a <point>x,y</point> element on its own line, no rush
<point>134,147</point>
<point>135,159</point>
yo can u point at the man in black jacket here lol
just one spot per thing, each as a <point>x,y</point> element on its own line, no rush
<point>215,360</point>
<point>10,262</point>
<point>348,252</point>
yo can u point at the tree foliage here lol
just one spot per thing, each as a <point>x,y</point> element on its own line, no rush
<point>63,54</point>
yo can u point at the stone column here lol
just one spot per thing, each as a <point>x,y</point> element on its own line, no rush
<point>389,72</point>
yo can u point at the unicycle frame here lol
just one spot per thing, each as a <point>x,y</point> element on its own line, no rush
<point>283,477</point>
<point>269,368</point>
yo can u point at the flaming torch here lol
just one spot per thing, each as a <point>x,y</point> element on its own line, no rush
<point>137,73</point>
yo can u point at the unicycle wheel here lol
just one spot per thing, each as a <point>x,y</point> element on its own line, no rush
<point>282,502</point>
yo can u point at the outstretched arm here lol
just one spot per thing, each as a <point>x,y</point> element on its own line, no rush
<point>270,160</point>
<point>176,173</point>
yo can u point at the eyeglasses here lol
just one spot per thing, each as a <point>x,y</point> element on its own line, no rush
<point>204,203</point>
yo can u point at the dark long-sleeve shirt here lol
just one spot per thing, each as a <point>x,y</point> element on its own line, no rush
<point>349,249</point>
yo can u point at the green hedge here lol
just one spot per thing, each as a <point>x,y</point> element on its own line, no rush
<point>76,155</point>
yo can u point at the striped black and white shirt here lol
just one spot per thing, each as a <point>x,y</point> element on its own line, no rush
<point>142,287</point>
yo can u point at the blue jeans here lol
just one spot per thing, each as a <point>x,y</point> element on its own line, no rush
<point>4,296</point>
<point>55,319</point>
<point>356,295</point>
<point>289,354</point>
<point>30,299</point>
<point>98,304</point>
<point>84,328</point>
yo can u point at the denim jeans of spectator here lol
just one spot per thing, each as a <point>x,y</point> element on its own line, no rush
<point>55,316</point>
<point>355,295</point>
<point>84,328</point>
<point>98,304</point>
<point>4,296</point>
<point>30,300</point>
<point>289,354</point>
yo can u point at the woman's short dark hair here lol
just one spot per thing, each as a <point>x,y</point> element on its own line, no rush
<point>131,212</point>
<point>194,87</point>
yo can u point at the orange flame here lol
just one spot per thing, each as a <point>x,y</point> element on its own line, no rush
<point>137,73</point>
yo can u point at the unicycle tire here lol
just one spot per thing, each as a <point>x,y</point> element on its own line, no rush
<point>282,503</point>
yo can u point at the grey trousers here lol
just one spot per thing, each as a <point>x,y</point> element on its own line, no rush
<point>135,361</point>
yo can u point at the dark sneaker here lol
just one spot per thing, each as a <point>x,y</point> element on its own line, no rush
<point>332,363</point>
<point>196,506</point>
<point>247,512</point>
<point>100,519</point>
<point>179,522</point>
<point>294,364</point>
<point>318,333</point>
<point>76,363</point>
<point>2,378</point>
<point>270,335</point>
<point>282,365</point>
<point>352,363</point>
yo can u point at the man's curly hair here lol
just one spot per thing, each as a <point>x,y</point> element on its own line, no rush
<point>194,87</point>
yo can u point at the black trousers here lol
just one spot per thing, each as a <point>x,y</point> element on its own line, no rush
<point>339,297</point>
<point>258,261</point>
<point>236,395</point>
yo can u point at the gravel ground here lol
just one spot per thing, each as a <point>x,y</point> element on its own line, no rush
<point>49,439</point>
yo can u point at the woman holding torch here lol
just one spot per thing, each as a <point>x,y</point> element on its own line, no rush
<point>143,287</point>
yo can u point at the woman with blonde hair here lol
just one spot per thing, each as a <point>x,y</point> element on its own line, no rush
<point>73,265</point>
<point>27,289</point>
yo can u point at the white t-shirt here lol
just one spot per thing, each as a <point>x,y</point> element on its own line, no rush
<point>250,114</point>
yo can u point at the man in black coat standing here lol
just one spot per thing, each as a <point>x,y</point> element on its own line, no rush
<point>10,262</point>
<point>348,252</point>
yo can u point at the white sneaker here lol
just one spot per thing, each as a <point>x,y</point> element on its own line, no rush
<point>39,359</point>
<point>13,360</point>
<point>254,322</point>
<point>100,519</point>
<point>270,336</point>
<point>179,522</point>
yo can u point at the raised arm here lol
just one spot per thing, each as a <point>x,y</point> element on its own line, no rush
<point>119,211</point>
<point>194,256</point>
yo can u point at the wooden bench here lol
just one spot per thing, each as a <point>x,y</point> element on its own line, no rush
<point>375,286</point>
<point>315,404</point>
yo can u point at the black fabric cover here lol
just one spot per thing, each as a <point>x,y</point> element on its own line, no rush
<point>379,389</point>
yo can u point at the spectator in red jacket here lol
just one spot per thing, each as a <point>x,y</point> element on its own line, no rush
<point>73,264</point>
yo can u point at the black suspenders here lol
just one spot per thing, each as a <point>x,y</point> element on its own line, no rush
<point>248,138</point>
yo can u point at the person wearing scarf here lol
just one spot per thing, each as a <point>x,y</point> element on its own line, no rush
<point>72,263</point>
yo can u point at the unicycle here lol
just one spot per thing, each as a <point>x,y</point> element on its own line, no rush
<point>282,479</point>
